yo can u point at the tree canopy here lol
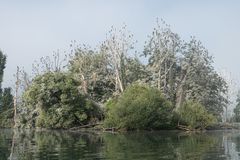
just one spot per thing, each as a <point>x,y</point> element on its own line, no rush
<point>139,107</point>
<point>57,102</point>
<point>173,77</point>
<point>237,109</point>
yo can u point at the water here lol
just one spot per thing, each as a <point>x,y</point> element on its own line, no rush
<point>166,145</point>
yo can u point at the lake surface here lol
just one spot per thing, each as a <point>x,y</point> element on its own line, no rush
<point>166,145</point>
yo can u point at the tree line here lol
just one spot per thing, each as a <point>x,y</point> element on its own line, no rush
<point>90,85</point>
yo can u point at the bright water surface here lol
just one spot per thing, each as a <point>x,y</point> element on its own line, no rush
<point>166,145</point>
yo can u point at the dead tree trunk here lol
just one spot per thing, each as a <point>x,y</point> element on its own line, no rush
<point>15,103</point>
<point>180,93</point>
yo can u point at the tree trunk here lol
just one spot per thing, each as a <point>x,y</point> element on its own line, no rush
<point>11,157</point>
<point>165,79</point>
<point>84,85</point>
<point>15,110</point>
<point>120,84</point>
<point>172,86</point>
<point>118,81</point>
<point>159,78</point>
<point>180,93</point>
<point>17,83</point>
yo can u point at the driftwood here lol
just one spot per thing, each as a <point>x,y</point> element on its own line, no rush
<point>187,129</point>
<point>86,126</point>
<point>110,129</point>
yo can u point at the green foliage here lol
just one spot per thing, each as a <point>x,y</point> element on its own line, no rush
<point>6,91</point>
<point>178,71</point>
<point>139,107</point>
<point>135,71</point>
<point>3,59</point>
<point>194,115</point>
<point>90,69</point>
<point>237,109</point>
<point>6,118</point>
<point>203,83</point>
<point>6,109</point>
<point>184,70</point>
<point>6,99</point>
<point>58,102</point>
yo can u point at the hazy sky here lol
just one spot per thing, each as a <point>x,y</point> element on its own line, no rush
<point>30,29</point>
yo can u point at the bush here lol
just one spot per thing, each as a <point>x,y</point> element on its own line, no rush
<point>194,115</point>
<point>139,107</point>
<point>56,98</point>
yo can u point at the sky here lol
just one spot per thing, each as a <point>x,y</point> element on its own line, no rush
<point>30,29</point>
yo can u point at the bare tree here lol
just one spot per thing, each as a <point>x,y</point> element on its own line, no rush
<point>162,50</point>
<point>50,64</point>
<point>117,48</point>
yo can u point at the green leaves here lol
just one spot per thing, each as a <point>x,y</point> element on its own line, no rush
<point>61,105</point>
<point>194,115</point>
<point>3,59</point>
<point>183,71</point>
<point>237,109</point>
<point>139,107</point>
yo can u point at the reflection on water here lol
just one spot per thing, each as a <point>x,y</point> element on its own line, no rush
<point>28,145</point>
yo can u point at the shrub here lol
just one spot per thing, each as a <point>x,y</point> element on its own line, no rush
<point>56,98</point>
<point>194,115</point>
<point>139,107</point>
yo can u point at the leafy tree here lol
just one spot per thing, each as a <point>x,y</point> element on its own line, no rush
<point>139,107</point>
<point>6,99</point>
<point>89,67</point>
<point>194,115</point>
<point>93,69</point>
<point>237,109</point>
<point>178,72</point>
<point>3,59</point>
<point>2,67</point>
<point>135,71</point>
<point>184,71</point>
<point>55,101</point>
<point>6,109</point>
<point>214,95</point>
<point>199,81</point>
